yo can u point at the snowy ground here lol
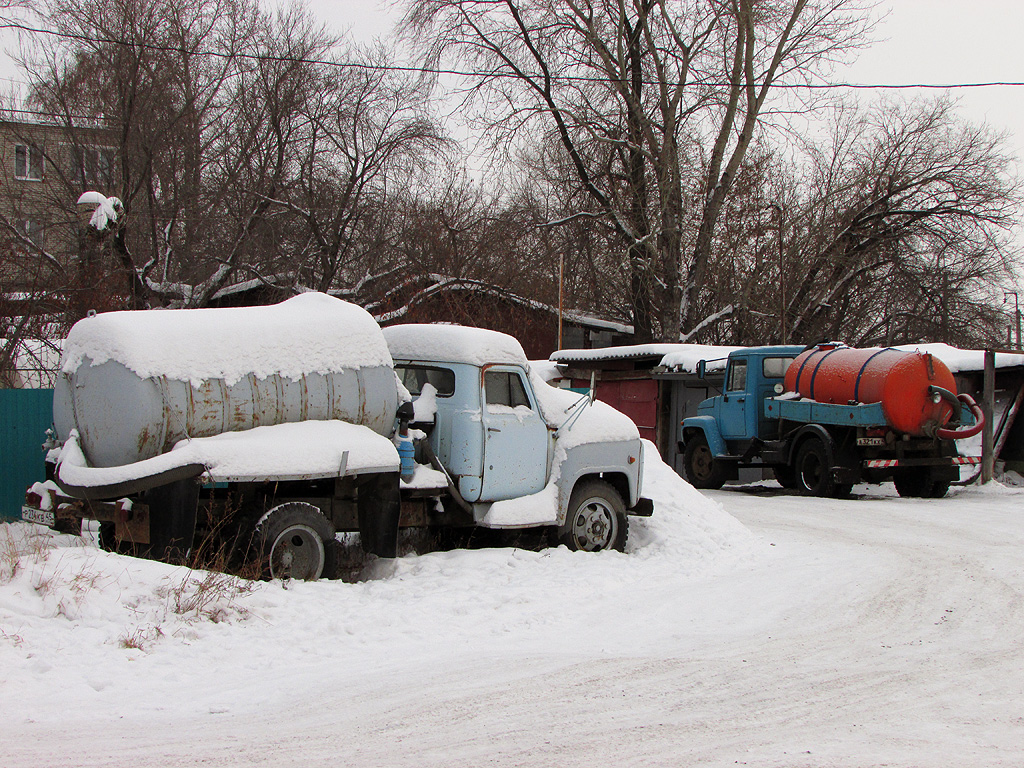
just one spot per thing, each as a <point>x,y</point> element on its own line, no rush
<point>875,631</point>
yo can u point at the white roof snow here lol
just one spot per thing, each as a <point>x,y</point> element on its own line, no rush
<point>453,344</point>
<point>683,358</point>
<point>677,357</point>
<point>309,333</point>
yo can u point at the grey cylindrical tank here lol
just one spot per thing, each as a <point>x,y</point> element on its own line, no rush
<point>135,383</point>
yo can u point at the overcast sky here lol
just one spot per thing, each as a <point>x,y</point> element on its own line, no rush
<point>919,41</point>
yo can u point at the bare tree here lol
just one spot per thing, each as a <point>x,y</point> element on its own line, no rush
<point>633,92</point>
<point>898,228</point>
<point>908,230</point>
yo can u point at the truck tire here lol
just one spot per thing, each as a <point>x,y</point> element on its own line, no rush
<point>813,471</point>
<point>295,541</point>
<point>702,469</point>
<point>918,483</point>
<point>596,519</point>
<point>786,476</point>
<point>912,482</point>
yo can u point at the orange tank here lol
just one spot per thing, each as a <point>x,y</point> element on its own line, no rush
<point>898,380</point>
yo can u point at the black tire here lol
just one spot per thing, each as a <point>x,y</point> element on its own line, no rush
<point>919,484</point>
<point>786,476</point>
<point>596,519</point>
<point>814,471</point>
<point>912,482</point>
<point>295,541</point>
<point>701,467</point>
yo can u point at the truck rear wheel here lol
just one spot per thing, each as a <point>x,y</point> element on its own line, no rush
<point>919,483</point>
<point>702,469</point>
<point>786,476</point>
<point>596,519</point>
<point>814,471</point>
<point>295,541</point>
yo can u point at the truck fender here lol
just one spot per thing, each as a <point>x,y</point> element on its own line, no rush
<point>812,430</point>
<point>709,427</point>
<point>601,461</point>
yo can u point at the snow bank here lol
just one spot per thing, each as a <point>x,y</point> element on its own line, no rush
<point>309,333</point>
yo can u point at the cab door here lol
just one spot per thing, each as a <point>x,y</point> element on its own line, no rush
<point>515,436</point>
<point>733,421</point>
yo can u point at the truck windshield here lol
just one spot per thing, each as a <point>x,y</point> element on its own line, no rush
<point>775,367</point>
<point>413,377</point>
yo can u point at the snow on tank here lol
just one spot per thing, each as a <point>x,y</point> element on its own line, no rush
<point>308,333</point>
<point>453,344</point>
<point>134,384</point>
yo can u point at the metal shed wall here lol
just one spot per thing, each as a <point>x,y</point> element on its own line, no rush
<point>25,415</point>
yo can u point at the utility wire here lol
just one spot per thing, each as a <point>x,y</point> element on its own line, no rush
<point>476,73</point>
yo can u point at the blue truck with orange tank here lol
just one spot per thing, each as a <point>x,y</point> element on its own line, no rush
<point>828,416</point>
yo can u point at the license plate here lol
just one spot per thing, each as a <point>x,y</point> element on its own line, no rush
<point>871,441</point>
<point>33,515</point>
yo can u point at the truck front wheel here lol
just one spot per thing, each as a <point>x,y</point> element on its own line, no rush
<point>296,542</point>
<point>702,470</point>
<point>596,519</point>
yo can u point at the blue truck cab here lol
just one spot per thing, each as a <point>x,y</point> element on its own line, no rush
<point>738,414</point>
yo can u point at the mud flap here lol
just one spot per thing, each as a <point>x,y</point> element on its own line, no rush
<point>172,519</point>
<point>379,504</point>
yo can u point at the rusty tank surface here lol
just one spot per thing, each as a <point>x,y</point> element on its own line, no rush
<point>916,390</point>
<point>135,383</point>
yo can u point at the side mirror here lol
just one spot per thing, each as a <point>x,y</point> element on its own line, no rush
<point>702,367</point>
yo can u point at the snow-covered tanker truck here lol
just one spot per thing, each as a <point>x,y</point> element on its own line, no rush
<point>286,424</point>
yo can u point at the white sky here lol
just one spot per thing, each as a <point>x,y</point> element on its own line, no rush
<point>950,41</point>
<point>929,41</point>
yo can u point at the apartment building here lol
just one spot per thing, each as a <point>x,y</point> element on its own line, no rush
<point>43,170</point>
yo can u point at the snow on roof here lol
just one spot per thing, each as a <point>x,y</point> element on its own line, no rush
<point>958,360</point>
<point>453,344</point>
<point>309,333</point>
<point>683,358</point>
<point>676,357</point>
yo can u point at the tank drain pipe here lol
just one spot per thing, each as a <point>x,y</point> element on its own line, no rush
<point>955,402</point>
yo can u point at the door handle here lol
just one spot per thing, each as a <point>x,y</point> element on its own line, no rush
<point>493,429</point>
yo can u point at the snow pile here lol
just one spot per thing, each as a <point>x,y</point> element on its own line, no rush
<point>309,333</point>
<point>59,591</point>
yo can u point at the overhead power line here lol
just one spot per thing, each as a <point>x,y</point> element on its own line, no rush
<point>824,86</point>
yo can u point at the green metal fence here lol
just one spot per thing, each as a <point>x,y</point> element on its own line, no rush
<point>25,414</point>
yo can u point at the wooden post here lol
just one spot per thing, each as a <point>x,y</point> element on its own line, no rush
<point>988,459</point>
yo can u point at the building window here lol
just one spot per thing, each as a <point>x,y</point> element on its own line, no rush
<point>28,162</point>
<point>91,166</point>
<point>31,231</point>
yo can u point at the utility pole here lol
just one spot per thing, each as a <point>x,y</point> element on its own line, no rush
<point>1016,311</point>
<point>782,276</point>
